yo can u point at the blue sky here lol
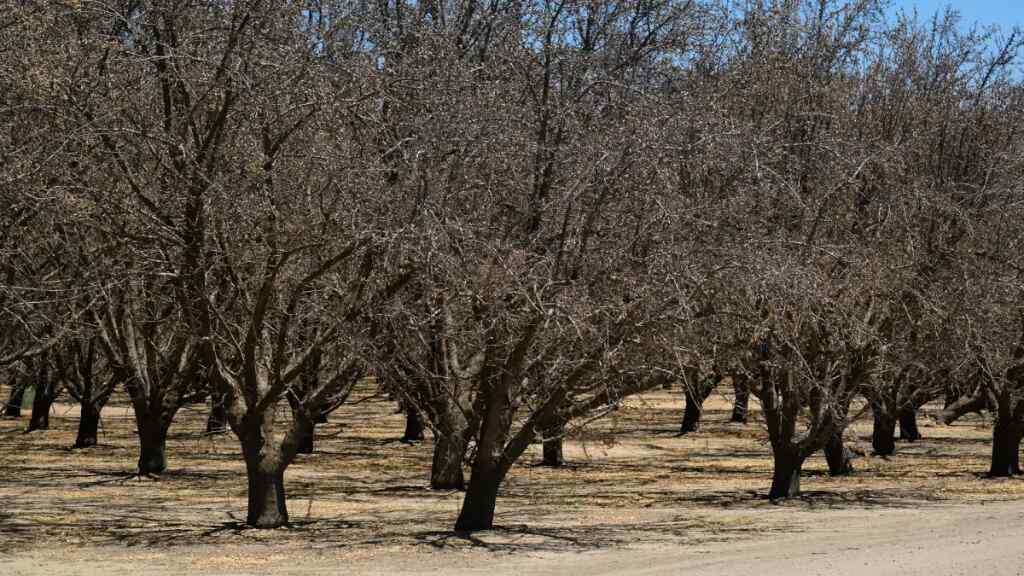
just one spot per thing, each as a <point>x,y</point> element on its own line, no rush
<point>1005,13</point>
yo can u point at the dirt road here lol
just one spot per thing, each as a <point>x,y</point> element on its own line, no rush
<point>932,541</point>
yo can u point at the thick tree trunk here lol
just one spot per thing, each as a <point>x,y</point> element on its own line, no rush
<point>481,498</point>
<point>838,456</point>
<point>908,424</point>
<point>552,449</point>
<point>413,425</point>
<point>446,470</point>
<point>1005,450</point>
<point>741,401</point>
<point>217,421</point>
<point>883,435</point>
<point>152,449</point>
<point>786,476</point>
<point>88,425</point>
<point>267,508</point>
<point>13,408</point>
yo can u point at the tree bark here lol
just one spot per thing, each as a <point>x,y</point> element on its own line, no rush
<point>552,449</point>
<point>786,476</point>
<point>152,449</point>
<point>691,415</point>
<point>88,425</point>
<point>1005,450</point>
<point>13,408</point>
<point>741,401</point>
<point>217,421</point>
<point>42,401</point>
<point>838,456</point>
<point>413,425</point>
<point>265,463</point>
<point>267,507</point>
<point>908,424</point>
<point>446,469</point>
<point>306,438</point>
<point>883,435</point>
<point>481,498</point>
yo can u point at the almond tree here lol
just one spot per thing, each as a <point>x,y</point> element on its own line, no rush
<point>546,229</point>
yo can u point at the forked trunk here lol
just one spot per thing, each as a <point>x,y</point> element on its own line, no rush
<point>1005,450</point>
<point>838,456</point>
<point>413,425</point>
<point>883,435</point>
<point>481,498</point>
<point>88,425</point>
<point>786,476</point>
<point>553,457</point>
<point>908,425</point>
<point>152,449</point>
<point>446,470</point>
<point>742,400</point>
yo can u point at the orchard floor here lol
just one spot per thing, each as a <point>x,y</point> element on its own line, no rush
<point>635,499</point>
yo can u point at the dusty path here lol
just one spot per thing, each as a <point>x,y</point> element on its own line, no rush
<point>933,541</point>
<point>977,539</point>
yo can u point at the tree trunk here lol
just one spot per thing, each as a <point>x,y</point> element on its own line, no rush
<point>553,457</point>
<point>13,408</point>
<point>413,425</point>
<point>88,425</point>
<point>883,435</point>
<point>950,396</point>
<point>306,439</point>
<point>742,400</point>
<point>217,421</point>
<point>1005,450</point>
<point>691,415</point>
<point>481,498</point>
<point>152,449</point>
<point>446,470</point>
<point>838,456</point>
<point>41,404</point>
<point>908,425</point>
<point>786,476</point>
<point>267,507</point>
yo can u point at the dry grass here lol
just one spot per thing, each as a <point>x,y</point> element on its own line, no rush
<point>630,480</point>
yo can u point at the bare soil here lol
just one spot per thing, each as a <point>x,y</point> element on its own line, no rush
<point>633,490</point>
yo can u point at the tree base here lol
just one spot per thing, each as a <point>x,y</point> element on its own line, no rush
<point>785,478</point>
<point>413,426</point>
<point>267,506</point>
<point>153,457</point>
<point>839,458</point>
<point>477,511</point>
<point>553,457</point>
<point>883,435</point>
<point>908,426</point>
<point>1005,452</point>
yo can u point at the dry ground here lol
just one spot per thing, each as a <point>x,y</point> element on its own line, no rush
<point>364,498</point>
